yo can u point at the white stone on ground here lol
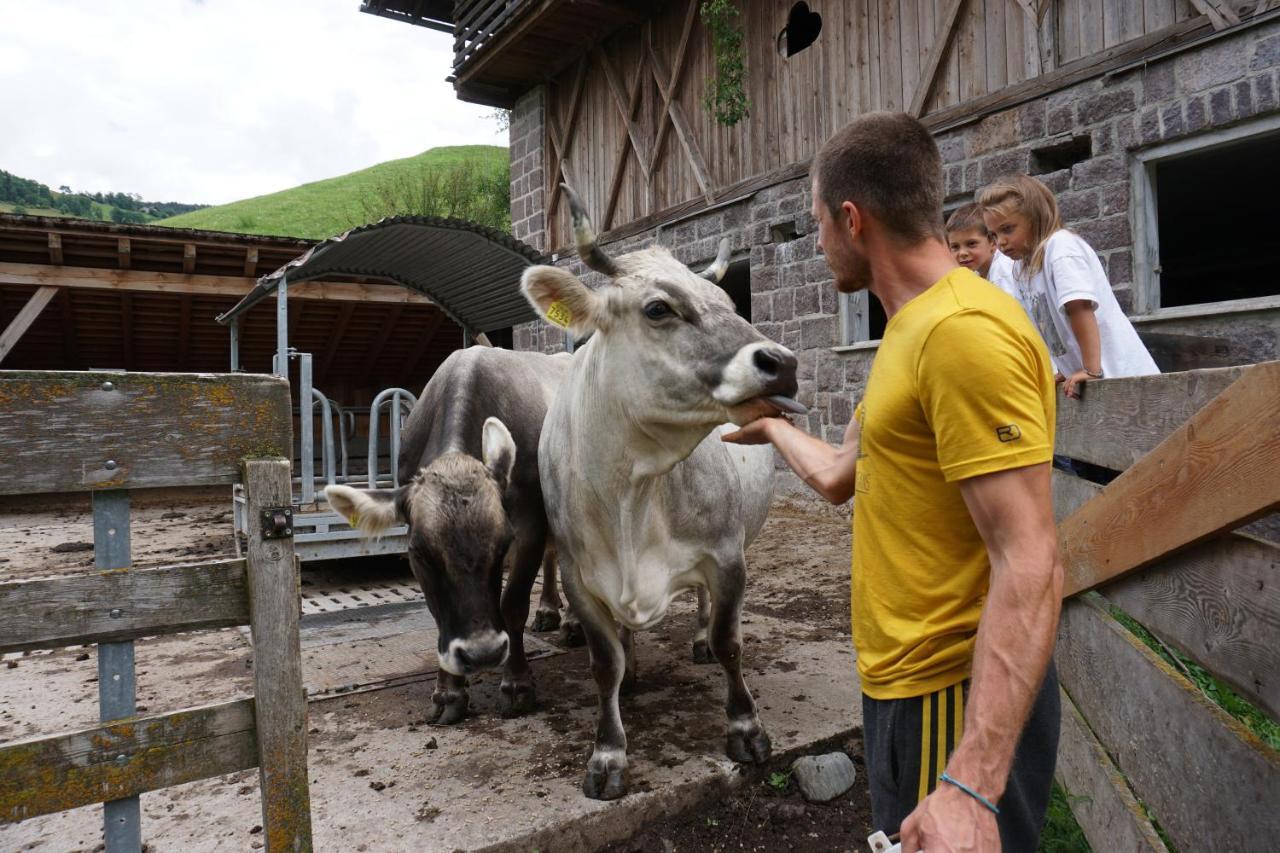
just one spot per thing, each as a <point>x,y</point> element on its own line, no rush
<point>822,778</point>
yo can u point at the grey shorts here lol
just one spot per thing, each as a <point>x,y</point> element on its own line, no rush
<point>908,741</point>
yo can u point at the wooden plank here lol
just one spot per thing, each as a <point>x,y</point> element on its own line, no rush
<point>890,56</point>
<point>189,258</point>
<point>929,74</point>
<point>1118,421</point>
<point>52,774</point>
<point>279,694</point>
<point>25,317</point>
<point>667,91</point>
<point>115,605</point>
<point>627,107</point>
<point>560,143</point>
<point>1214,473</point>
<point>1177,37</point>
<point>1100,799</point>
<point>685,133</point>
<point>1220,14</point>
<point>1211,783</point>
<point>93,278</point>
<point>67,431</point>
<point>124,251</point>
<point>1216,602</point>
<point>55,249</point>
<point>251,262</point>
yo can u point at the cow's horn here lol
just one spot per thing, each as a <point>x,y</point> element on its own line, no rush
<point>585,236</point>
<point>720,265</point>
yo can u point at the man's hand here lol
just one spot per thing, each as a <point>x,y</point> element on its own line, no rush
<point>756,432</point>
<point>950,821</point>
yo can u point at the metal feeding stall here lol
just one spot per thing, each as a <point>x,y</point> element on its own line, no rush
<point>470,272</point>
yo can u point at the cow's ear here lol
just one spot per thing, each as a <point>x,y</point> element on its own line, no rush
<point>371,511</point>
<point>499,451</point>
<point>561,298</point>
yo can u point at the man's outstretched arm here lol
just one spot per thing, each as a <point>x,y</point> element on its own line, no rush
<point>1013,512</point>
<point>829,471</point>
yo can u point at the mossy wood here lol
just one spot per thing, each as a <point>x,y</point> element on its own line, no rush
<point>77,431</point>
<point>1213,474</point>
<point>1211,783</point>
<point>1216,602</point>
<point>117,605</point>
<point>1111,817</point>
<point>51,774</point>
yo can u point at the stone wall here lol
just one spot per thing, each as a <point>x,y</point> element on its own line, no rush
<point>1220,84</point>
<point>527,138</point>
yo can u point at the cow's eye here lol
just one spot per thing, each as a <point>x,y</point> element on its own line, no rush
<point>657,309</point>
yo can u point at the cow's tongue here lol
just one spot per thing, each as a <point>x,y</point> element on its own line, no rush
<point>787,404</point>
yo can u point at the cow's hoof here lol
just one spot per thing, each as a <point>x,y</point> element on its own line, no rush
<point>605,779</point>
<point>518,698</point>
<point>571,633</point>
<point>748,745</point>
<point>702,652</point>
<point>546,619</point>
<point>447,708</point>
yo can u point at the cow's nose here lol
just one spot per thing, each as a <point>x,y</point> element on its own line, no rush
<point>768,363</point>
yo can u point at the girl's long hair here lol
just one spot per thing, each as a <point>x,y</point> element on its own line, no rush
<point>1023,194</point>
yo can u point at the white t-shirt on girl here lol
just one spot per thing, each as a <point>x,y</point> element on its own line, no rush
<point>1072,271</point>
<point>1000,273</point>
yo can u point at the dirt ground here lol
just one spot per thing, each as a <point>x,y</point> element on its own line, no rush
<point>384,780</point>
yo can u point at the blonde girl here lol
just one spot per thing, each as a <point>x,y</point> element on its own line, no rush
<point>1060,282</point>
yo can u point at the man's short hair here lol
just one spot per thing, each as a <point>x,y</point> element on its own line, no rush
<point>887,164</point>
<point>967,218</point>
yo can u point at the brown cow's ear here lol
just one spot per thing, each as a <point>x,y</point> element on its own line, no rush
<point>499,451</point>
<point>562,299</point>
<point>371,511</point>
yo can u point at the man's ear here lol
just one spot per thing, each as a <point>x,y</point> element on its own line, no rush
<point>562,299</point>
<point>499,451</point>
<point>855,223</point>
<point>371,511</point>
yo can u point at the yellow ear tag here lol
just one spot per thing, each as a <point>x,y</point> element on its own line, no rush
<point>558,313</point>
<point>355,519</point>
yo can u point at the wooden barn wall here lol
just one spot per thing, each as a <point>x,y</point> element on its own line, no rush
<point>869,56</point>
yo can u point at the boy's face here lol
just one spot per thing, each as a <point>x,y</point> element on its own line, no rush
<point>972,248</point>
<point>1013,234</point>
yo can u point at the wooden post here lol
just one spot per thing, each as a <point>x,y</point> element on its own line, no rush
<point>279,696</point>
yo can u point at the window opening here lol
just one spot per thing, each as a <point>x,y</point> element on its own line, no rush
<point>862,318</point>
<point>802,29</point>
<point>737,283</point>
<point>1061,155</point>
<point>1204,255</point>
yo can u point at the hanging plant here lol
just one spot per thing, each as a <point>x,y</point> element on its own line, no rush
<point>726,97</point>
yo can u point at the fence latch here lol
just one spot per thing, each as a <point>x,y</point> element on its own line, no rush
<point>277,522</point>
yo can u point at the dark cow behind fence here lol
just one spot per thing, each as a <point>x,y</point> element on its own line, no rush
<point>470,494</point>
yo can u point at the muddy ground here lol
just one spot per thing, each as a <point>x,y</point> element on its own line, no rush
<point>384,780</point>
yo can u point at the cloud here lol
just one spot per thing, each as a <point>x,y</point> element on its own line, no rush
<point>220,100</point>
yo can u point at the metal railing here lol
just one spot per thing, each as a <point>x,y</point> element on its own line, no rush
<point>401,403</point>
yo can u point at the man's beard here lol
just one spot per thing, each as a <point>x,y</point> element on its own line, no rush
<point>856,277</point>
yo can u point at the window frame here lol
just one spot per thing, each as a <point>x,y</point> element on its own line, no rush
<point>1146,220</point>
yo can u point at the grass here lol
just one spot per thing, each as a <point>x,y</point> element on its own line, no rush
<point>1061,833</point>
<point>1267,729</point>
<point>324,208</point>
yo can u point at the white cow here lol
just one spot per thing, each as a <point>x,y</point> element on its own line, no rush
<point>643,498</point>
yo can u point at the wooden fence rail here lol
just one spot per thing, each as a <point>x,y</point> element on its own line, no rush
<point>107,433</point>
<point>1199,452</point>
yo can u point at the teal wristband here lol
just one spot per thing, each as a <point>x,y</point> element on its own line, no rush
<point>963,787</point>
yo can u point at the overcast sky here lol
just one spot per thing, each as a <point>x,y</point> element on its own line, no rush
<point>209,101</point>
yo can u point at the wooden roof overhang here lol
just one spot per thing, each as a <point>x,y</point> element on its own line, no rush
<point>503,48</point>
<point>76,295</point>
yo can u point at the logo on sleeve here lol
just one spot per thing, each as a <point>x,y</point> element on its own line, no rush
<point>1008,432</point>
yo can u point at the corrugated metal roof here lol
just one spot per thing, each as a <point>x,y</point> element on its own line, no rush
<point>471,271</point>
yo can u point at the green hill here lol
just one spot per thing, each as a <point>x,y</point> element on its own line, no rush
<point>429,183</point>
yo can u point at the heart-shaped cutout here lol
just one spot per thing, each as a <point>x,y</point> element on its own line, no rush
<point>802,30</point>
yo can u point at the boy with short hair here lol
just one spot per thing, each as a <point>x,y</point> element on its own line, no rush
<point>974,247</point>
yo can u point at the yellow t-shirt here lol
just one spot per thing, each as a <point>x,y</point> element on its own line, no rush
<point>962,386</point>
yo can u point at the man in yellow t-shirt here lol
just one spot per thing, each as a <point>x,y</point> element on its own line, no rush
<point>956,577</point>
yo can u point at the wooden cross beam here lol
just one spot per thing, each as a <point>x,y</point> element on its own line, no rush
<point>667,88</point>
<point>929,74</point>
<point>1213,474</point>
<point>1220,14</point>
<point>18,325</point>
<point>634,139</point>
<point>560,143</point>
